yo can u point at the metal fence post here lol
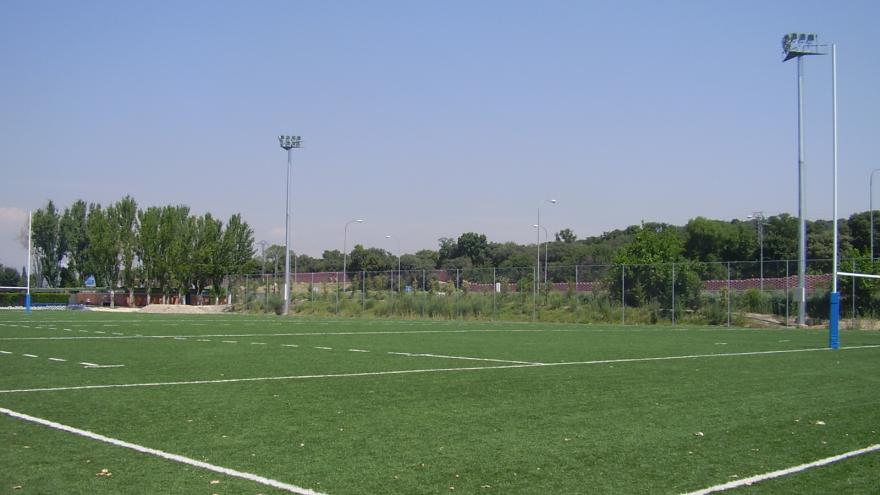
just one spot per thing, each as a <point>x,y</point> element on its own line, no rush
<point>363,291</point>
<point>787,295</point>
<point>673,294</point>
<point>623,294</point>
<point>494,282</point>
<point>853,321</point>
<point>729,295</point>
<point>577,299</point>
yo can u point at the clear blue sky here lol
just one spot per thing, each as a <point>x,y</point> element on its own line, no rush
<point>430,119</point>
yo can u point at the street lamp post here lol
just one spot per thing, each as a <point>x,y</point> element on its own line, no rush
<point>344,257</point>
<point>797,45</point>
<point>871,208</point>
<point>288,143</point>
<point>538,266</point>
<point>398,262</point>
<point>759,218</point>
<point>546,241</point>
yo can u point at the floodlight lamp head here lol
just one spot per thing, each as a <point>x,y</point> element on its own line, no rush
<point>553,201</point>
<point>288,142</point>
<point>796,45</point>
<point>359,221</point>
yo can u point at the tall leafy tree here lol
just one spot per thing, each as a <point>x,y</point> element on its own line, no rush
<point>102,253</point>
<point>74,231</point>
<point>148,248</point>
<point>49,244</point>
<point>124,225</point>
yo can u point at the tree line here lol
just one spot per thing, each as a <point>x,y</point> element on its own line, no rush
<point>700,240</point>
<point>161,247</point>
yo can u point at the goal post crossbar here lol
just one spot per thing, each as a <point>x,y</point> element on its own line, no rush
<point>863,275</point>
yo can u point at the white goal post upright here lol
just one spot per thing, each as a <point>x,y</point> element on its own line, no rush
<point>834,320</point>
<point>27,295</point>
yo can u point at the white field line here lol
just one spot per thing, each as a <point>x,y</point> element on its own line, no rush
<point>324,348</point>
<point>30,355</point>
<point>288,334</point>
<point>88,364</point>
<point>783,472</point>
<point>430,370</point>
<point>58,360</point>
<point>164,455</point>
<point>5,352</point>
<point>358,350</point>
<point>104,366</point>
<point>411,354</point>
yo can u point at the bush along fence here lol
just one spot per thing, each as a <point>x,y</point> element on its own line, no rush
<point>724,293</point>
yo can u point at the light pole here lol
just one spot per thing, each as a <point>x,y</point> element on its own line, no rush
<point>398,261</point>
<point>288,143</point>
<point>797,45</point>
<point>759,218</point>
<point>546,240</point>
<point>263,245</point>
<point>344,256</point>
<point>871,208</point>
<point>538,267</point>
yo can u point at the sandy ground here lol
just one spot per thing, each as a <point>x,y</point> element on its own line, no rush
<point>170,309</point>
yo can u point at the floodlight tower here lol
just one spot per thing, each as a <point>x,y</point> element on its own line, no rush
<point>288,143</point>
<point>344,257</point>
<point>797,45</point>
<point>871,207</point>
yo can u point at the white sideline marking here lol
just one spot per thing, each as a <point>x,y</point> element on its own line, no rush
<point>784,472</point>
<point>411,354</point>
<point>30,355</point>
<point>58,359</point>
<point>430,370</point>
<point>159,453</point>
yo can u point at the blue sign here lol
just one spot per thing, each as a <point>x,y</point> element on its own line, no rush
<point>90,281</point>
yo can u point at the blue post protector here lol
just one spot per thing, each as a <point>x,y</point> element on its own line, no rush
<point>27,303</point>
<point>834,322</point>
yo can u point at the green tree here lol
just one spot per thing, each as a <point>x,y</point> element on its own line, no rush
<point>124,225</point>
<point>101,257</point>
<point>49,244</point>
<point>73,229</point>
<point>148,247</point>
<point>10,277</point>
<point>566,235</point>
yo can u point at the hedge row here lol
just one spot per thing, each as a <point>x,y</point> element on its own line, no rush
<point>17,299</point>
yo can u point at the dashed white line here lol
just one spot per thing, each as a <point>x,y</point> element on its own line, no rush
<point>30,355</point>
<point>358,350</point>
<point>229,341</point>
<point>164,455</point>
<point>324,348</point>
<point>434,370</point>
<point>203,340</point>
<point>289,345</point>
<point>5,352</point>
<point>258,343</point>
<point>88,364</point>
<point>58,359</point>
<point>98,331</point>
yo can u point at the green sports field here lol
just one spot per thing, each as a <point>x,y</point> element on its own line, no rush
<point>352,407</point>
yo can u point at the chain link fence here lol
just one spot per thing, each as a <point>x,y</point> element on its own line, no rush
<point>723,293</point>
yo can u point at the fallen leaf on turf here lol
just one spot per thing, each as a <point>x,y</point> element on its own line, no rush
<point>699,434</point>
<point>819,422</point>
<point>214,482</point>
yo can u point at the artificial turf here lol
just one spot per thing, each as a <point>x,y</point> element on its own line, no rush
<point>541,407</point>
